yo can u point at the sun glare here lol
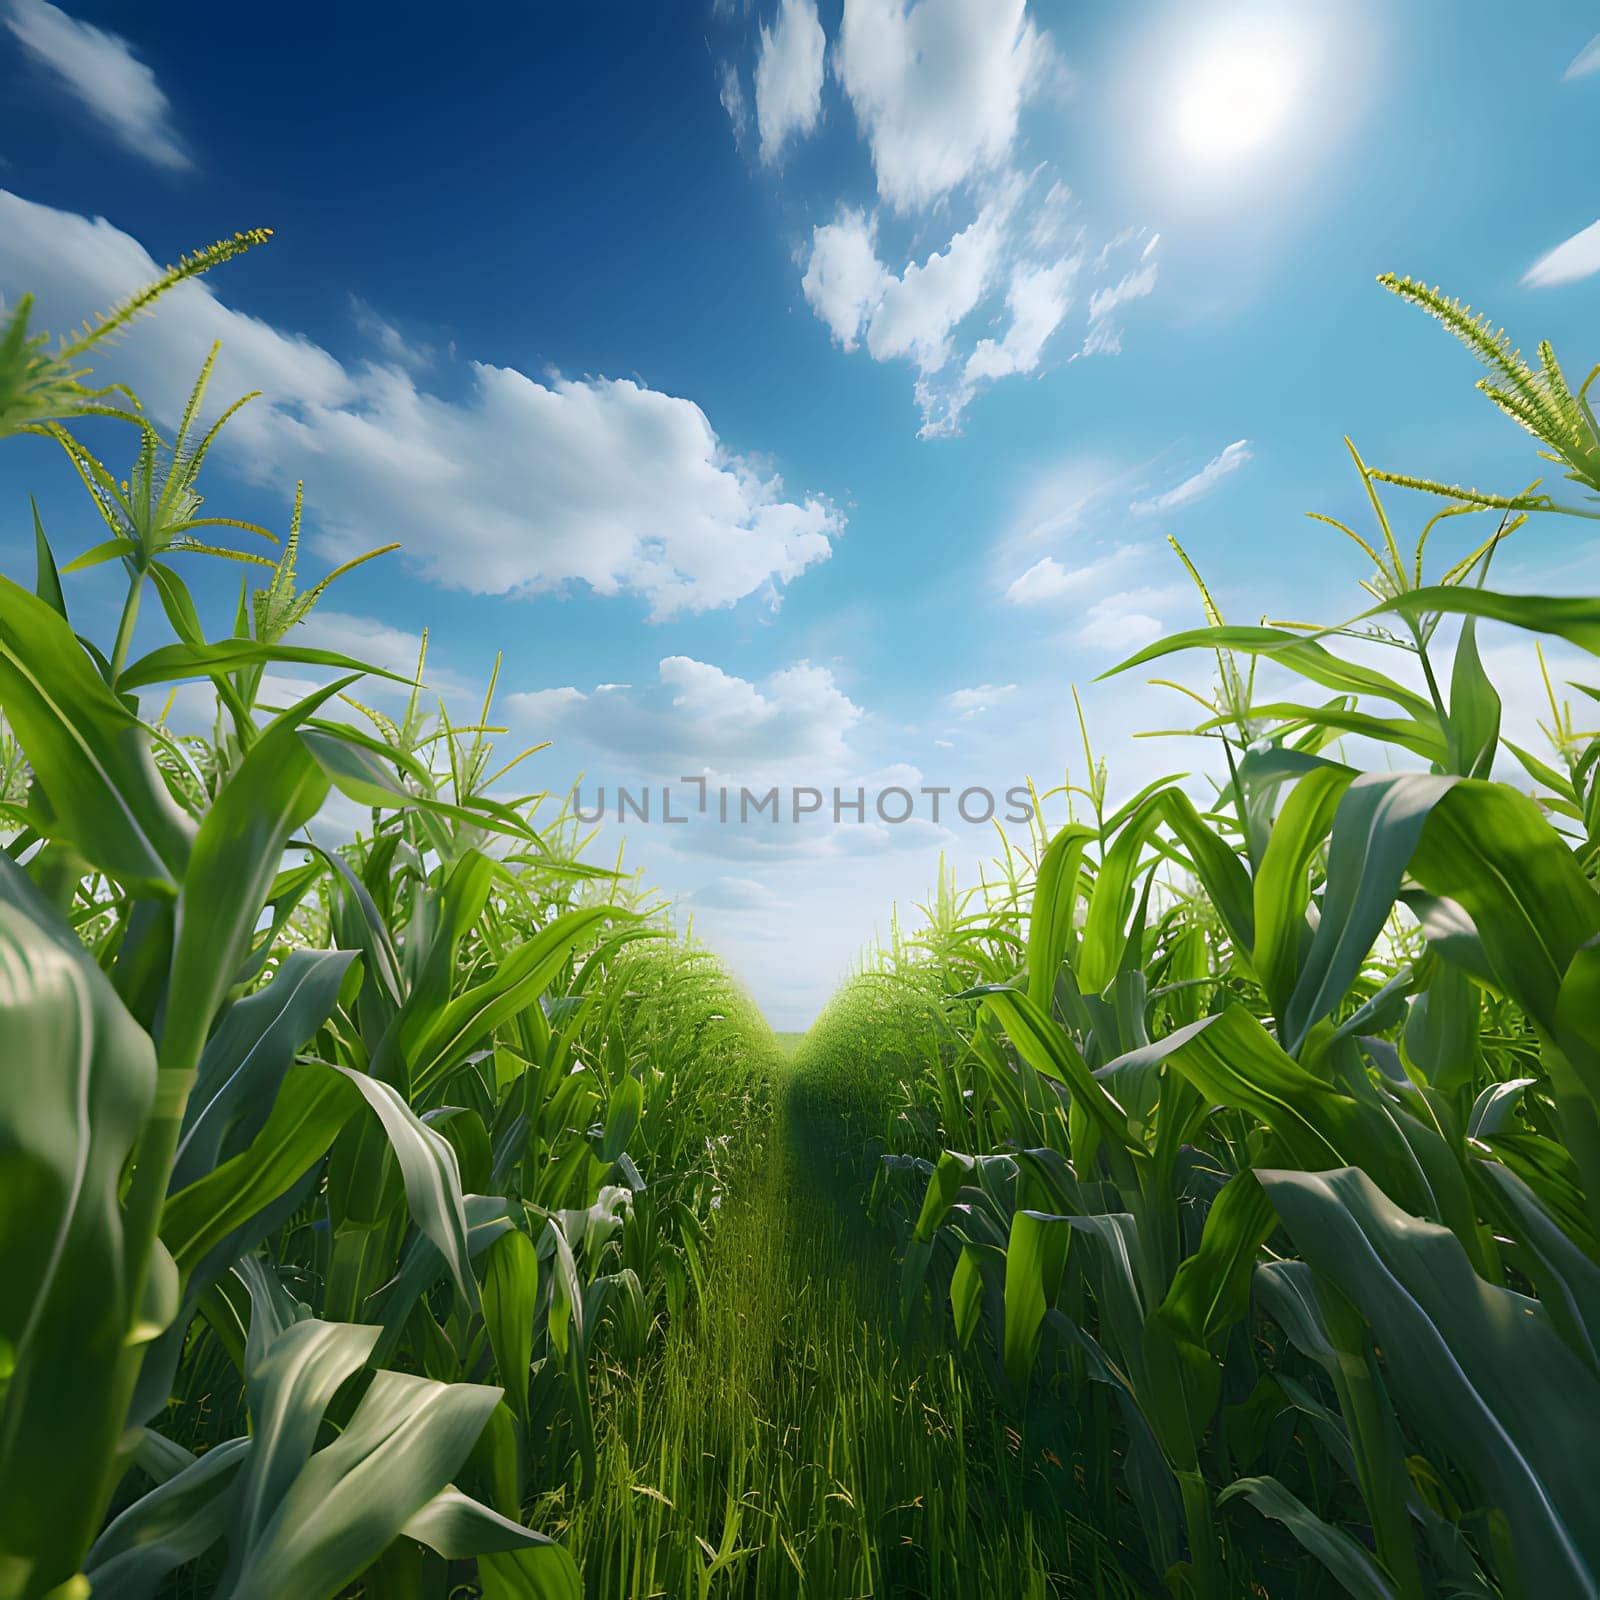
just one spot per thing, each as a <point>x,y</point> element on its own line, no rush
<point>1235,98</point>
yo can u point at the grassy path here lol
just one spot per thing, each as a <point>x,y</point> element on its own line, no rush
<point>786,1442</point>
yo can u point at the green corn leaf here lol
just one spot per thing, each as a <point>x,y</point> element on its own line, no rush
<point>623,1110</point>
<point>966,1288</point>
<point>1376,828</point>
<point>110,550</point>
<point>47,581</point>
<point>1350,1563</point>
<point>1490,850</point>
<point>1566,1277</point>
<point>245,1059</point>
<point>307,1524</point>
<point>1210,1291</point>
<point>1050,915</point>
<point>89,754</point>
<point>1233,1061</point>
<point>312,1105</point>
<point>174,663</point>
<point>178,604</point>
<point>1476,1369</point>
<point>1045,1045</point>
<point>1299,654</point>
<point>1036,1256</point>
<point>1474,725</point>
<point>365,776</point>
<point>293,1371</point>
<point>79,1078</point>
<point>1568,617</point>
<point>421,1266</point>
<point>237,856</point>
<point>172,1524</point>
<point>1110,902</point>
<point>432,1178</point>
<point>513,1562</point>
<point>1282,889</point>
<point>510,1300</point>
<point>519,980</point>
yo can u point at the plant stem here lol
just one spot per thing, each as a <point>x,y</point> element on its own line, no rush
<point>130,616</point>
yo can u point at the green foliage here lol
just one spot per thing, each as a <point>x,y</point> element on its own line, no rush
<point>333,1182</point>
<point>1308,1076</point>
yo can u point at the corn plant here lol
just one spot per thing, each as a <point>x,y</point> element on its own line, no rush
<point>329,1174</point>
<point>1274,1118</point>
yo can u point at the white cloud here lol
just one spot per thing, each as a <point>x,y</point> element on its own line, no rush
<point>937,88</point>
<point>789,77</point>
<point>102,71</point>
<point>701,719</point>
<point>1586,61</point>
<point>730,91</point>
<point>1578,258</point>
<point>844,279</point>
<point>921,308</point>
<point>1105,335</point>
<point>1202,483</point>
<point>1049,579</point>
<point>734,894</point>
<point>1038,299</point>
<point>1124,621</point>
<point>1110,609</point>
<point>1062,500</point>
<point>971,702</point>
<point>914,316</point>
<point>393,345</point>
<point>518,487</point>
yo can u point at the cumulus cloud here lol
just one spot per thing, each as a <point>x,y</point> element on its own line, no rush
<point>1586,61</point>
<point>1577,258</point>
<point>844,280</point>
<point>517,487</point>
<point>789,77</point>
<point>937,88</point>
<point>1201,483</point>
<point>701,719</point>
<point>101,70</point>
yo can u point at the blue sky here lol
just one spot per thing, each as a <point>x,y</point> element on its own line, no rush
<point>800,392</point>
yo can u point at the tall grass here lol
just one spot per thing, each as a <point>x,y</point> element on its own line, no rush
<point>789,1442</point>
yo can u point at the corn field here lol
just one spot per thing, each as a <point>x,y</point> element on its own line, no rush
<point>1206,1204</point>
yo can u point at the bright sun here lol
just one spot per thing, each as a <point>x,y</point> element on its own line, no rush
<point>1233,99</point>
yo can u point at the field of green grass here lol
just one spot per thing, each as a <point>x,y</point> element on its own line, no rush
<point>1205,1204</point>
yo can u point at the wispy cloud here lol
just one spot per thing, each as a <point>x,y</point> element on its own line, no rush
<point>1049,579</point>
<point>1586,61</point>
<point>1202,483</point>
<point>973,702</point>
<point>730,91</point>
<point>1578,257</point>
<point>101,69</point>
